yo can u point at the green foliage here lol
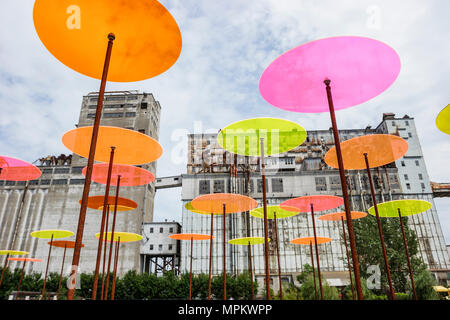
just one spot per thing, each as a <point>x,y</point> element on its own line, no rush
<point>307,291</point>
<point>424,282</point>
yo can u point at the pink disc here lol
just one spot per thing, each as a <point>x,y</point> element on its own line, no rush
<point>129,175</point>
<point>359,69</point>
<point>319,202</point>
<point>17,170</point>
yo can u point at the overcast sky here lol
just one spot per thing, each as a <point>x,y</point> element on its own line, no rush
<point>226,47</point>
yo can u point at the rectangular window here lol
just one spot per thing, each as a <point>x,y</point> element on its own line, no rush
<point>406,177</point>
<point>204,187</point>
<point>133,97</point>
<point>417,162</point>
<point>160,247</point>
<point>151,231</point>
<point>321,184</point>
<point>170,246</point>
<point>47,170</point>
<point>77,170</point>
<point>335,183</point>
<point>408,186</point>
<point>144,105</point>
<point>91,115</point>
<point>113,115</point>
<point>407,123</point>
<point>260,186</point>
<point>171,231</point>
<point>393,123</point>
<point>151,247</point>
<point>420,176</point>
<point>62,170</point>
<point>114,98</point>
<point>45,182</point>
<point>113,106</point>
<point>277,185</point>
<point>130,114</point>
<point>402,163</point>
<point>34,182</point>
<point>59,181</point>
<point>410,134</point>
<point>161,230</point>
<point>219,186</point>
<point>76,181</point>
<point>422,185</point>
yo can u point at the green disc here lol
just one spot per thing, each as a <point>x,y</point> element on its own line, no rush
<point>272,210</point>
<point>243,137</point>
<point>247,240</point>
<point>407,207</point>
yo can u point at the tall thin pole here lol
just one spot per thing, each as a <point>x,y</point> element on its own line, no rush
<point>105,295</point>
<point>380,230</point>
<point>87,182</point>
<point>116,262</point>
<point>407,255</point>
<point>46,269</point>
<point>5,265</point>
<point>278,254</point>
<point>190,270</point>
<point>266,236</point>
<point>102,225</point>
<point>104,252</point>
<point>348,259</point>
<point>317,251</point>
<point>314,271</point>
<point>224,256</point>
<point>210,257</point>
<point>21,277</point>
<point>62,270</point>
<point>251,268</point>
<point>351,233</point>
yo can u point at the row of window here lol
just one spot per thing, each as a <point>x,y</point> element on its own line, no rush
<point>402,163</point>
<point>419,175</point>
<point>160,247</point>
<point>115,98</point>
<point>219,186</point>
<point>75,170</point>
<point>422,185</point>
<point>113,115</point>
<point>42,182</point>
<point>161,230</point>
<point>113,106</point>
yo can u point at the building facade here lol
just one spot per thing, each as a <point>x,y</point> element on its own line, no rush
<point>299,172</point>
<point>52,201</point>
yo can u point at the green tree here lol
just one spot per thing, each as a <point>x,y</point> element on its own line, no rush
<point>306,290</point>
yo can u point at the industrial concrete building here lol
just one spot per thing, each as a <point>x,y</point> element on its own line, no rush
<point>52,201</point>
<point>299,172</point>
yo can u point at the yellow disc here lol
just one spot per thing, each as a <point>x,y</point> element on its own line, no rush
<point>189,207</point>
<point>443,120</point>
<point>243,137</point>
<point>47,234</point>
<point>124,236</point>
<point>272,211</point>
<point>13,252</point>
<point>247,241</point>
<point>407,207</point>
<point>147,38</point>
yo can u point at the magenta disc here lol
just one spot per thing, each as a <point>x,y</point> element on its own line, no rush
<point>359,69</point>
<point>17,170</point>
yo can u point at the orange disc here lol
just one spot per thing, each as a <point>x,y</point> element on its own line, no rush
<point>123,204</point>
<point>381,149</point>
<point>233,203</point>
<point>189,236</point>
<point>25,259</point>
<point>129,175</point>
<point>13,169</point>
<point>336,216</point>
<point>319,202</point>
<point>64,243</point>
<point>148,40</point>
<point>131,147</point>
<point>309,240</point>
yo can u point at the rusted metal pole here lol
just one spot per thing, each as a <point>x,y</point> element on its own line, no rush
<point>380,230</point>
<point>46,269</point>
<point>190,271</point>
<point>266,231</point>
<point>210,257</point>
<point>87,182</point>
<point>278,255</point>
<point>251,268</point>
<point>105,295</point>
<point>314,271</point>
<point>351,233</point>
<point>348,259</point>
<point>5,265</point>
<point>116,262</point>
<point>317,251</point>
<point>62,270</point>
<point>102,226</point>
<point>224,255</point>
<point>407,255</point>
<point>104,253</point>
<point>21,277</point>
